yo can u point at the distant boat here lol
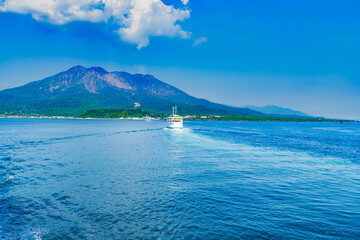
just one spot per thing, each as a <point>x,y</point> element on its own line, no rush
<point>175,121</point>
<point>147,118</point>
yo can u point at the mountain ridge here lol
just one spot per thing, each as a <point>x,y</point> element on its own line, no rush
<point>78,89</point>
<point>278,111</point>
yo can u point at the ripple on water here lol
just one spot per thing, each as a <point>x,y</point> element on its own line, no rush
<point>127,180</point>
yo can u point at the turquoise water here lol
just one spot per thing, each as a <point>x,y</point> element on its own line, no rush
<point>118,179</point>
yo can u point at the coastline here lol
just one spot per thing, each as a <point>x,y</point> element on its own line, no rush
<point>63,117</point>
<point>201,119</point>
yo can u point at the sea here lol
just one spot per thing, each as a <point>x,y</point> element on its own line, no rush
<point>128,179</point>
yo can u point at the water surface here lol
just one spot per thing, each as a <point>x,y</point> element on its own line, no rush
<point>119,179</point>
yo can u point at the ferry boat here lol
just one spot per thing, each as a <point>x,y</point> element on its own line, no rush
<point>175,121</point>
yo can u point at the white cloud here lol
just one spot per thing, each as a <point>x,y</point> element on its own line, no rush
<point>137,19</point>
<point>185,1</point>
<point>199,41</point>
<point>152,18</point>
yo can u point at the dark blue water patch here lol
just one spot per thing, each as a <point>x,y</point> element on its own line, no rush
<point>6,158</point>
<point>15,212</point>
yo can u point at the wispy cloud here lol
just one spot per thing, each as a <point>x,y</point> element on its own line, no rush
<point>185,1</point>
<point>137,20</point>
<point>199,41</point>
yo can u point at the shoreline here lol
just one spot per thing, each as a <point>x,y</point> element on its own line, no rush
<point>201,120</point>
<point>62,117</point>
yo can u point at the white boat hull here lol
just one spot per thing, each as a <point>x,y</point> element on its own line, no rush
<point>175,125</point>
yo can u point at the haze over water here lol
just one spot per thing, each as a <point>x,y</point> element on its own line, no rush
<point>119,179</point>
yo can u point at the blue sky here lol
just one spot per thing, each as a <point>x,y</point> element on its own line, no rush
<point>298,54</point>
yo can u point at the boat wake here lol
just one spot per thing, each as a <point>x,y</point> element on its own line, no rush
<point>190,139</point>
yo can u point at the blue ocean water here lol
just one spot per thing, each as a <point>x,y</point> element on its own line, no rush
<point>123,179</point>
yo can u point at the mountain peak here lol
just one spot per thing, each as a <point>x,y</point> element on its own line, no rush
<point>98,70</point>
<point>81,68</point>
<point>77,67</point>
